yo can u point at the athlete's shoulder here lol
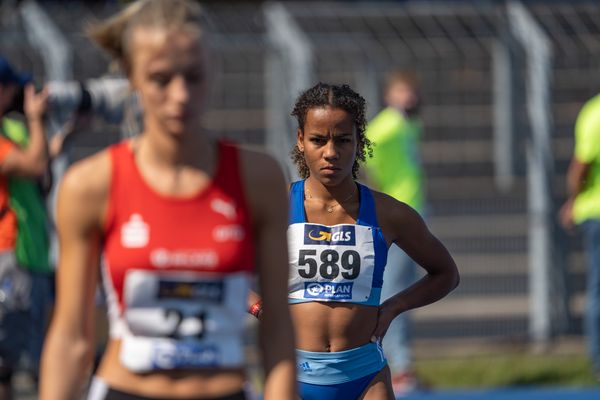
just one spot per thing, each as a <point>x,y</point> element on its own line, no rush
<point>89,176</point>
<point>396,218</point>
<point>388,205</point>
<point>264,182</point>
<point>259,165</point>
<point>83,193</point>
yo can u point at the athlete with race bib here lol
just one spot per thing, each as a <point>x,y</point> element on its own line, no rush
<point>338,236</point>
<point>182,228</point>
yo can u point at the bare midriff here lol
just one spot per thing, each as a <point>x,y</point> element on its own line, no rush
<point>331,327</point>
<point>177,384</point>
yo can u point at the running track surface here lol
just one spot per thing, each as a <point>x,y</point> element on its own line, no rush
<point>510,394</point>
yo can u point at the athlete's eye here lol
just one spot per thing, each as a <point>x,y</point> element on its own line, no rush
<point>160,79</point>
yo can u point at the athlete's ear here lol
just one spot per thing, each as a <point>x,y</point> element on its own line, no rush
<point>300,139</point>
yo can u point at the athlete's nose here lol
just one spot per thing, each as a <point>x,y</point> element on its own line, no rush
<point>329,151</point>
<point>179,90</point>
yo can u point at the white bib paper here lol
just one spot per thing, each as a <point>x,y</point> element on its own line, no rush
<point>330,263</point>
<point>183,320</point>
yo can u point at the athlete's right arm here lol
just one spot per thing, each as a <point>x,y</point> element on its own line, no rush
<point>68,351</point>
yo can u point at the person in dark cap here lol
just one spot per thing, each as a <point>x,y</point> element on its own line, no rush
<point>24,159</point>
<point>9,75</point>
<point>14,84</point>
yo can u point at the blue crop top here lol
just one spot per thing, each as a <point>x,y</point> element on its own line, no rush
<point>342,263</point>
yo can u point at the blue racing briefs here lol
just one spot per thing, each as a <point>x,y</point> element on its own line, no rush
<point>327,368</point>
<point>341,391</point>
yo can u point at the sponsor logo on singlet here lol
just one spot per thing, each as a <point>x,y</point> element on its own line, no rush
<point>326,235</point>
<point>223,207</point>
<point>328,290</point>
<point>186,355</point>
<point>162,258</point>
<point>205,290</point>
<point>226,233</point>
<point>135,233</point>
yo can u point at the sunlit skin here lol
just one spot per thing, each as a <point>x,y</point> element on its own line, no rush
<point>328,141</point>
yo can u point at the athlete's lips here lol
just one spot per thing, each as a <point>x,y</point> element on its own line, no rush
<point>180,116</point>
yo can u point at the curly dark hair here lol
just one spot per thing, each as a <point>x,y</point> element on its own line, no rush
<point>338,96</point>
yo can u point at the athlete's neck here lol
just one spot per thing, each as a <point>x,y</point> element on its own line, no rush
<point>197,150</point>
<point>328,193</point>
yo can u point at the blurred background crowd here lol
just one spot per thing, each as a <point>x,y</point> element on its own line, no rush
<point>500,85</point>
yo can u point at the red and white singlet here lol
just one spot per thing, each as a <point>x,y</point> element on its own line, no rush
<point>177,270</point>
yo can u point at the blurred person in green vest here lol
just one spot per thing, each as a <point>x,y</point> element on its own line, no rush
<point>395,169</point>
<point>23,231</point>
<point>582,208</point>
<point>27,200</point>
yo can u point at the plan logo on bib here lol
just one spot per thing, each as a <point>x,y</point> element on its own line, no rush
<point>328,290</point>
<point>135,233</point>
<point>329,235</point>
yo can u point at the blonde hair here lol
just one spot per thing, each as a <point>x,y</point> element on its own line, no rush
<point>114,34</point>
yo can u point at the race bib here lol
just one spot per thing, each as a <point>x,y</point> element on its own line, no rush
<point>331,263</point>
<point>183,320</point>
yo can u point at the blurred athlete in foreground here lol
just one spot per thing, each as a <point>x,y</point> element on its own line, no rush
<point>182,224</point>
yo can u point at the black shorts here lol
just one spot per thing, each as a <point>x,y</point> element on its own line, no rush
<point>99,391</point>
<point>114,394</point>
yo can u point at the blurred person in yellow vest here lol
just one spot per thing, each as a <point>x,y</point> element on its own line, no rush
<point>582,208</point>
<point>396,170</point>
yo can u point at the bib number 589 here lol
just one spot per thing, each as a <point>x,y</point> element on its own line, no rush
<point>330,263</point>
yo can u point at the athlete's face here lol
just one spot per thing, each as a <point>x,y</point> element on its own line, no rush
<point>168,69</point>
<point>328,142</point>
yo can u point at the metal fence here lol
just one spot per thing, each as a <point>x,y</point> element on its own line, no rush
<point>477,132</point>
<point>493,157</point>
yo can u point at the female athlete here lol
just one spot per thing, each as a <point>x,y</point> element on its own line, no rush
<point>338,237</point>
<point>181,224</point>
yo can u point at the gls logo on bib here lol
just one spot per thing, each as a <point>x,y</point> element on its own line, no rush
<point>326,235</point>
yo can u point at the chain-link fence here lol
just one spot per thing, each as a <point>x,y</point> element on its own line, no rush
<point>459,50</point>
